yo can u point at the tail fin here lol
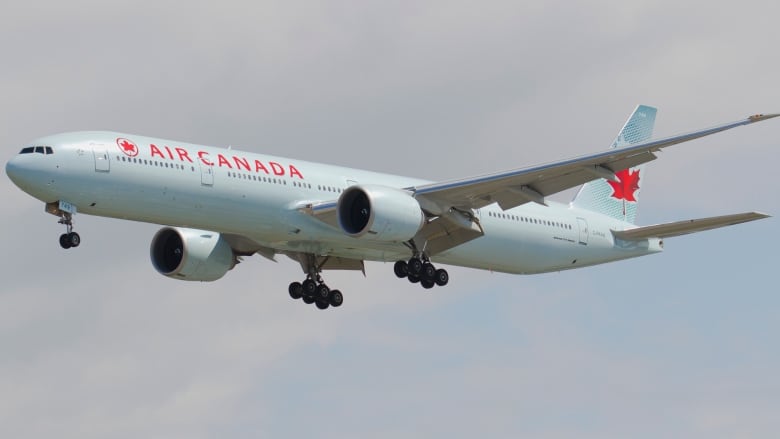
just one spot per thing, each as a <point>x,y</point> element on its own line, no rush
<point>619,199</point>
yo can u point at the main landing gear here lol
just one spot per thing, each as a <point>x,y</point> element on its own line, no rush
<point>70,238</point>
<point>314,290</point>
<point>420,270</point>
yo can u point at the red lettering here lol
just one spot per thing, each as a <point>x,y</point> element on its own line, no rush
<point>222,160</point>
<point>183,154</point>
<point>294,171</point>
<point>201,155</point>
<point>241,163</point>
<point>278,169</point>
<point>259,167</point>
<point>170,154</point>
<point>156,151</point>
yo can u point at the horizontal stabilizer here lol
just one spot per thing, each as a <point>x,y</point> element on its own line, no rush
<point>685,227</point>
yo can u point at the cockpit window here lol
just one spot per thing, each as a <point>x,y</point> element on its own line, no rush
<point>37,150</point>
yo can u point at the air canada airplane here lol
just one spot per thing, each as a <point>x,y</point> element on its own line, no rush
<point>218,205</point>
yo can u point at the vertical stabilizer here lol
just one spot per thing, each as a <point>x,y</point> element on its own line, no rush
<point>619,198</point>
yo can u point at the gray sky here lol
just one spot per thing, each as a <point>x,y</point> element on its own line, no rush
<point>94,343</point>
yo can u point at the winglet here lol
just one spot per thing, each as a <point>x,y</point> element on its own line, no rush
<point>760,117</point>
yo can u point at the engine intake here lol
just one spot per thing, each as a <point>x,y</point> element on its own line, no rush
<point>189,254</point>
<point>379,213</point>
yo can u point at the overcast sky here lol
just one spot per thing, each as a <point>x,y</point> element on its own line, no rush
<point>94,343</point>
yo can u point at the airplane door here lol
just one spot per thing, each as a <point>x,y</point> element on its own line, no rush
<point>583,225</point>
<point>206,174</point>
<point>102,163</point>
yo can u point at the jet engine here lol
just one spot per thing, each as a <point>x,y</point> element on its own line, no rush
<point>379,213</point>
<point>189,254</point>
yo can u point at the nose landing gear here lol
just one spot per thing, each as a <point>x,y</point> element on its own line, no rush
<point>70,238</point>
<point>65,212</point>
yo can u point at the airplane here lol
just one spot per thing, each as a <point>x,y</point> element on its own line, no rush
<point>218,205</point>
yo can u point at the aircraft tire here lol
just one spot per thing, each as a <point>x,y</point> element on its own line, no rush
<point>322,292</point>
<point>64,241</point>
<point>428,272</point>
<point>401,269</point>
<point>295,290</point>
<point>415,266</point>
<point>335,298</point>
<point>309,287</point>
<point>74,239</point>
<point>442,277</point>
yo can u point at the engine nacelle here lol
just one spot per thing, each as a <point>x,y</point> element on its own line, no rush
<point>189,254</point>
<point>379,213</point>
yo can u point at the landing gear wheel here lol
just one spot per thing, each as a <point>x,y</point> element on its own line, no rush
<point>442,277</point>
<point>428,272</point>
<point>401,269</point>
<point>415,266</point>
<point>64,241</point>
<point>309,287</point>
<point>322,304</point>
<point>414,279</point>
<point>427,284</point>
<point>74,239</point>
<point>295,290</point>
<point>308,299</point>
<point>335,298</point>
<point>322,292</point>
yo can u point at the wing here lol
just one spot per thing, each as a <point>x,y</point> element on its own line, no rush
<point>678,228</point>
<point>513,188</point>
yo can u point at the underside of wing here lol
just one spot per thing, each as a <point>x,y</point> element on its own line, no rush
<point>678,228</point>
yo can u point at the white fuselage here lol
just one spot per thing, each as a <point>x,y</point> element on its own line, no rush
<point>258,197</point>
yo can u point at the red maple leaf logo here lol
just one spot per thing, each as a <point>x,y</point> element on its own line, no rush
<point>626,187</point>
<point>127,147</point>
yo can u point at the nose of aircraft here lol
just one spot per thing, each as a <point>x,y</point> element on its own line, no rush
<point>13,170</point>
<point>30,175</point>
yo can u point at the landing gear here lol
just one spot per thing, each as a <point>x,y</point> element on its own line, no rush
<point>69,239</point>
<point>420,270</point>
<point>316,292</point>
